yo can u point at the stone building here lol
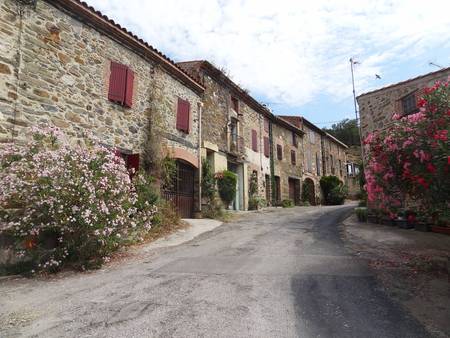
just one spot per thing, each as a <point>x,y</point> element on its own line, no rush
<point>377,107</point>
<point>235,131</point>
<point>62,63</point>
<point>323,155</point>
<point>288,161</point>
<point>334,156</point>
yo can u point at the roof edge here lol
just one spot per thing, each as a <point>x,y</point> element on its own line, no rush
<point>94,18</point>
<point>404,81</point>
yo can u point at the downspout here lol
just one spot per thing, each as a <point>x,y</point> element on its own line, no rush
<point>200,107</point>
<point>21,11</point>
<point>272,164</point>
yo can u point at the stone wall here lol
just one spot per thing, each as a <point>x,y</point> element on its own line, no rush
<point>312,150</point>
<point>284,167</point>
<point>334,155</point>
<point>63,68</point>
<point>377,107</point>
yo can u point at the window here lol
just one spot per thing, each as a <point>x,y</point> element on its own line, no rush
<point>279,152</point>
<point>308,161</point>
<point>183,115</point>
<point>312,138</point>
<point>293,157</point>
<point>340,168</point>
<point>294,139</point>
<point>254,140</point>
<point>131,161</point>
<point>266,125</point>
<point>332,164</point>
<point>266,146</point>
<point>235,104</point>
<point>317,164</point>
<point>409,105</point>
<point>349,169</point>
<point>121,82</point>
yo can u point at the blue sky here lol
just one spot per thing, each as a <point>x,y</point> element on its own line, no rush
<point>294,55</point>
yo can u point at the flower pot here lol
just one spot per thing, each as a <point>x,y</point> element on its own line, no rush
<point>421,227</point>
<point>440,230</point>
<point>372,218</point>
<point>403,224</point>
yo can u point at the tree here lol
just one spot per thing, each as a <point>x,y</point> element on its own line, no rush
<point>346,131</point>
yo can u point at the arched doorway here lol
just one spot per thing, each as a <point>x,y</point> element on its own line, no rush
<point>308,194</point>
<point>181,191</point>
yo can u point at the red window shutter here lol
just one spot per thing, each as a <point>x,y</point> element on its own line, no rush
<point>133,162</point>
<point>117,83</point>
<point>183,115</point>
<point>266,125</point>
<point>129,88</point>
<point>279,152</point>
<point>254,140</point>
<point>266,146</point>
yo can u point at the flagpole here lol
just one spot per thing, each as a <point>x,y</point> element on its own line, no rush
<point>358,121</point>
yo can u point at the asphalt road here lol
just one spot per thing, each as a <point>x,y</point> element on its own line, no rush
<point>279,273</point>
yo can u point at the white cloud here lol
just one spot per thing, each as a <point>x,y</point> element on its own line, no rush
<point>290,51</point>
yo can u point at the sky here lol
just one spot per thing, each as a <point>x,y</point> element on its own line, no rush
<point>294,55</point>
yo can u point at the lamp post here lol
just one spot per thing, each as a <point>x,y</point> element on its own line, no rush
<point>358,121</point>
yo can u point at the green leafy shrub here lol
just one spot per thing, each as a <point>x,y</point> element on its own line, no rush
<point>208,181</point>
<point>65,204</point>
<point>287,203</point>
<point>361,213</point>
<point>308,193</point>
<point>334,191</point>
<point>226,181</point>
<point>256,202</point>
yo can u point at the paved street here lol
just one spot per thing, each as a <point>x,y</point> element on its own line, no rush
<point>278,273</point>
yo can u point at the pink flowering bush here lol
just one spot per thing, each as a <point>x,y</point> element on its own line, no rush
<point>409,162</point>
<point>64,203</point>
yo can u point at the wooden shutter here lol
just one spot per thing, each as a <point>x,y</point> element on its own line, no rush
<point>279,152</point>
<point>129,88</point>
<point>254,140</point>
<point>117,83</point>
<point>293,157</point>
<point>132,162</point>
<point>266,146</point>
<point>266,125</point>
<point>183,115</point>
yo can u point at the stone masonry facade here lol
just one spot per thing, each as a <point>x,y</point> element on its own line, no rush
<point>57,70</point>
<point>55,65</point>
<point>377,107</point>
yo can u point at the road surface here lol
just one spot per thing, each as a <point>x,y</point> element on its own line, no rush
<point>277,273</point>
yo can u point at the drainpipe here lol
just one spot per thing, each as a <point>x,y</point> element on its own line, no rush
<point>200,107</point>
<point>272,164</point>
<point>21,11</point>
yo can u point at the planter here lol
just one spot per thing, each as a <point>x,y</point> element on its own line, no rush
<point>403,224</point>
<point>440,230</point>
<point>421,227</point>
<point>387,221</point>
<point>373,218</point>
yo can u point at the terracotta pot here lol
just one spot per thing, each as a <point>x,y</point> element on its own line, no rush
<point>421,227</point>
<point>440,230</point>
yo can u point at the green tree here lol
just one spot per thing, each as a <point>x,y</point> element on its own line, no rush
<point>346,131</point>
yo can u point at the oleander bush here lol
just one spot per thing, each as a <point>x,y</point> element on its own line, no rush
<point>409,162</point>
<point>69,204</point>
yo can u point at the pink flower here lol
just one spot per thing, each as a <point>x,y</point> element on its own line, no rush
<point>396,117</point>
<point>431,168</point>
<point>441,135</point>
